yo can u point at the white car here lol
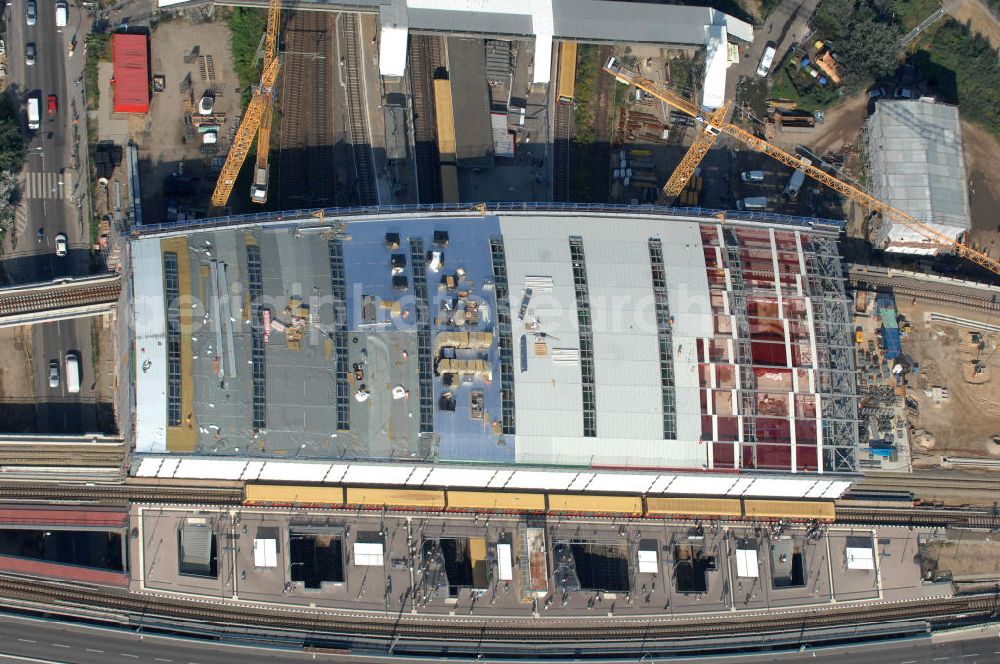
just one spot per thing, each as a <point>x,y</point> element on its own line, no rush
<point>54,373</point>
<point>31,12</point>
<point>62,247</point>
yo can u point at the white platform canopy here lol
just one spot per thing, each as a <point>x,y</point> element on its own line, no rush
<point>368,553</point>
<point>746,563</point>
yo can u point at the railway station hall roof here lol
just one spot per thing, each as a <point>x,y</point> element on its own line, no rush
<point>515,338</point>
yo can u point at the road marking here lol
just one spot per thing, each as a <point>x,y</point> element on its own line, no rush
<point>909,661</point>
<point>27,641</point>
<point>160,659</point>
<point>59,645</point>
<point>941,659</point>
<point>125,654</point>
<point>45,185</point>
<point>975,654</point>
<point>93,650</point>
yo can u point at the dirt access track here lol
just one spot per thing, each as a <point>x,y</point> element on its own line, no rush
<point>977,16</point>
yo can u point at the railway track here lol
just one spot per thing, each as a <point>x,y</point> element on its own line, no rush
<point>426,55</point>
<point>357,108</point>
<point>50,299</point>
<point>930,294</point>
<point>479,630</point>
<point>117,494</point>
<point>560,151</point>
<point>306,158</point>
<point>950,518</point>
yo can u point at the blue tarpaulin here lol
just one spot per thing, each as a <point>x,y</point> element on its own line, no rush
<point>893,344</point>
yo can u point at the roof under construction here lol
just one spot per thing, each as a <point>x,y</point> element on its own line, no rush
<point>916,164</point>
<point>536,337</point>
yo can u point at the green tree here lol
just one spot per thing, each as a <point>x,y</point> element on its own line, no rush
<point>11,145</point>
<point>867,46</point>
<point>9,195</point>
<point>246,27</point>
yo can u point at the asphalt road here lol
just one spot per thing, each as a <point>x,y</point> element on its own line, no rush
<point>49,182</point>
<point>28,640</point>
<point>57,410</point>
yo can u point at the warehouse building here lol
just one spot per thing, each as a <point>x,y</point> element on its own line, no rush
<point>916,164</point>
<point>510,340</point>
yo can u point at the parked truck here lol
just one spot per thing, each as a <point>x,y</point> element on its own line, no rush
<point>795,182</point>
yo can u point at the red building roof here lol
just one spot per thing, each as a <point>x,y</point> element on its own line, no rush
<point>129,54</point>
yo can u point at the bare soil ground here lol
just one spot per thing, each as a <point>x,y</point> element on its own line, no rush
<point>15,374</point>
<point>978,17</point>
<point>843,125</point>
<point>165,147</point>
<point>963,425</point>
<point>982,154</point>
<point>964,557</point>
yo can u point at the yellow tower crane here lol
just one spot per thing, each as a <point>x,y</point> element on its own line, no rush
<point>256,121</point>
<point>863,198</point>
<point>689,164</point>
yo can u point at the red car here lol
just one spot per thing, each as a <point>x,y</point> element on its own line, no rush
<point>53,105</point>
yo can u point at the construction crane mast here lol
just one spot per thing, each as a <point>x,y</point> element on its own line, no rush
<point>256,121</point>
<point>855,194</point>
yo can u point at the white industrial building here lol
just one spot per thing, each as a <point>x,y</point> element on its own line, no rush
<point>917,165</point>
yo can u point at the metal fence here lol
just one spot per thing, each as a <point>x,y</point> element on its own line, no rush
<point>317,215</point>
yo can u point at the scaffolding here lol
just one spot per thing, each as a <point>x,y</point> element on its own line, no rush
<point>823,285</point>
<point>835,362</point>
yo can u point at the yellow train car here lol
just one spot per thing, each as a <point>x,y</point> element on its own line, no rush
<point>711,507</point>
<point>279,494</point>
<point>412,498</point>
<point>496,501</point>
<point>567,72</point>
<point>591,504</point>
<point>803,510</point>
<point>450,192</point>
<point>445,114</point>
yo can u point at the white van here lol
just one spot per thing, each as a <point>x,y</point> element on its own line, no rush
<point>765,61</point>
<point>753,176</point>
<point>62,13</point>
<point>34,113</point>
<point>752,203</point>
<point>72,373</point>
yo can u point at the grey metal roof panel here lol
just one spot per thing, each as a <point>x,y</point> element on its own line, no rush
<point>483,23</point>
<point>916,160</point>
<point>630,22</point>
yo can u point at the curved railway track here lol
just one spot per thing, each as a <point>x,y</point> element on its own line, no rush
<point>426,55</point>
<point>349,35</point>
<point>622,629</point>
<point>59,298</point>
